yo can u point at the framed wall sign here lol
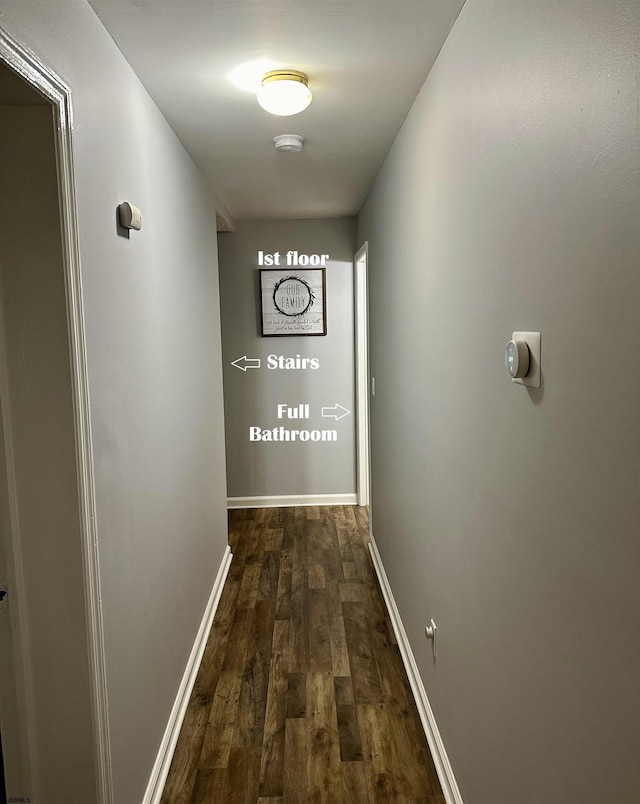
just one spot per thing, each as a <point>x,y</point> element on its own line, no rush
<point>293,301</point>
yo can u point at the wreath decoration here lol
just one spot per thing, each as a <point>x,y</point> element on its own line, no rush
<point>303,282</point>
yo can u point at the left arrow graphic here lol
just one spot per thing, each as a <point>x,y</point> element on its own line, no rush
<point>244,363</point>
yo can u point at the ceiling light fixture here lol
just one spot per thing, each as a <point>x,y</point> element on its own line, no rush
<point>291,143</point>
<point>284,92</point>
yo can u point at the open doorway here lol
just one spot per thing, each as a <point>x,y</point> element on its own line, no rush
<point>52,705</point>
<point>363,452</point>
<point>26,118</point>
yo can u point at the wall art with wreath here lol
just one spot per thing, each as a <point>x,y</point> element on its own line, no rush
<point>293,301</point>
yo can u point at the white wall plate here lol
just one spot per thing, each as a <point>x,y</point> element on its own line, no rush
<point>533,341</point>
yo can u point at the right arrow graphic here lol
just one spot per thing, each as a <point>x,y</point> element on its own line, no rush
<point>337,412</point>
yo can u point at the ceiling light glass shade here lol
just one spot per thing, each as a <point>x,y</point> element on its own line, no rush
<point>284,92</point>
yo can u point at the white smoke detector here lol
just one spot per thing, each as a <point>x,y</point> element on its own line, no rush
<point>291,143</point>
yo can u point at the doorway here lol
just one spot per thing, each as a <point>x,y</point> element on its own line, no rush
<point>52,692</point>
<point>363,450</point>
<point>24,113</point>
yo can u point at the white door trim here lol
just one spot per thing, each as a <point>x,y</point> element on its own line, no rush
<point>26,64</point>
<point>362,374</point>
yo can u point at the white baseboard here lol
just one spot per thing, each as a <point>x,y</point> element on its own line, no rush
<point>438,752</point>
<point>162,764</point>
<point>285,500</point>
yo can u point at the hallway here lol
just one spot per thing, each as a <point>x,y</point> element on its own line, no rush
<point>301,695</point>
<point>485,157</point>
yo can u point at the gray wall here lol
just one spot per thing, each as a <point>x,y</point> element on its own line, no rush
<point>251,397</point>
<point>510,200</point>
<point>153,341</point>
<point>37,406</point>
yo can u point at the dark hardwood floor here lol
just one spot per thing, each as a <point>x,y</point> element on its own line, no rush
<point>301,696</point>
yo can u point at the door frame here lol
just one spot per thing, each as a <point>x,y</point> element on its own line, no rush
<point>361,297</point>
<point>23,62</point>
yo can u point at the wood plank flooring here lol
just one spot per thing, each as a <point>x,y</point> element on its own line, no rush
<point>301,696</point>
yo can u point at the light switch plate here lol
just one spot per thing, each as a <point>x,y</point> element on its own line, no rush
<point>533,341</point>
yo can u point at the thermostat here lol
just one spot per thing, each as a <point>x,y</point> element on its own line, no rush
<point>516,359</point>
<point>522,358</point>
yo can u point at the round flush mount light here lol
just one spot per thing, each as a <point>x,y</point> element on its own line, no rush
<point>290,143</point>
<point>284,92</point>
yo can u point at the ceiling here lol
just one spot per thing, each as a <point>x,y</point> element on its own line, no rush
<point>366,61</point>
